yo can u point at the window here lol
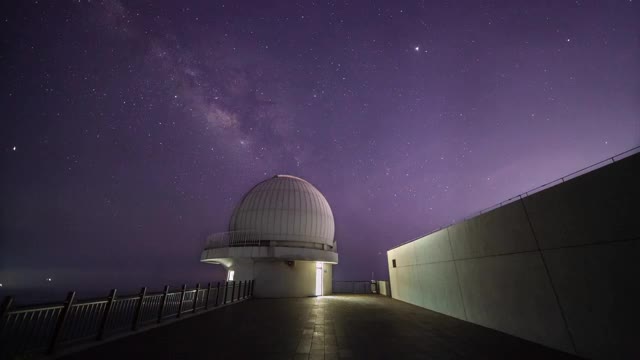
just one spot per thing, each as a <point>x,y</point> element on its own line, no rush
<point>230,275</point>
<point>394,262</point>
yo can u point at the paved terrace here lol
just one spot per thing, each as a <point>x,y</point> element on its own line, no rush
<point>330,327</point>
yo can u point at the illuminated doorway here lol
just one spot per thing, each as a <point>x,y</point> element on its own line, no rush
<point>319,271</point>
<point>230,275</point>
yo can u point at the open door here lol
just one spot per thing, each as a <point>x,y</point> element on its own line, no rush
<point>319,271</point>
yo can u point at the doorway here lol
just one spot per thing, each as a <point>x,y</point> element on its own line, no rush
<point>319,271</point>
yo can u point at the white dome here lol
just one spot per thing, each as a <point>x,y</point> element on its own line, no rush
<point>285,208</point>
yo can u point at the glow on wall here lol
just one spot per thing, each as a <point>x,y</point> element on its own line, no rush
<point>319,271</point>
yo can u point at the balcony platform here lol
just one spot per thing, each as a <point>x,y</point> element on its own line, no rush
<point>329,327</point>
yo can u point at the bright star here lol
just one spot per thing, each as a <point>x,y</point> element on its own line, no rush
<point>417,48</point>
<point>14,148</point>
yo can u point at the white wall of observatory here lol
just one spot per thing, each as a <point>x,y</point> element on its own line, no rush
<point>276,279</point>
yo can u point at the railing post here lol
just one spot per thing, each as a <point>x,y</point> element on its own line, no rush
<point>105,315</point>
<point>253,283</point>
<point>206,304</point>
<point>217,294</point>
<point>163,303</point>
<point>240,290</point>
<point>195,298</point>
<point>233,290</point>
<point>6,305</point>
<point>138,312</point>
<point>184,290</point>
<point>244,290</point>
<point>224,295</point>
<point>60,323</point>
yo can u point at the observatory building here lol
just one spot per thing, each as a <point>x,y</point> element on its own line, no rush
<point>281,235</point>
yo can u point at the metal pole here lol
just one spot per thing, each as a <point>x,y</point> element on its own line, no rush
<point>61,320</point>
<point>6,304</point>
<point>138,312</point>
<point>195,298</point>
<point>224,296</point>
<point>163,302</point>
<point>105,316</point>
<point>233,290</point>
<point>206,304</point>
<point>184,289</point>
<point>217,293</point>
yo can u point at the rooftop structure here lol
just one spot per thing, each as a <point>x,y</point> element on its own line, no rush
<point>282,233</point>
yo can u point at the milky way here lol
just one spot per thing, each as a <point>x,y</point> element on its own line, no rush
<point>131,129</point>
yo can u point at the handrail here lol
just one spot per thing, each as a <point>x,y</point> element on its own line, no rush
<point>43,329</point>
<point>560,180</point>
<point>360,287</point>
<point>235,238</point>
<point>242,238</point>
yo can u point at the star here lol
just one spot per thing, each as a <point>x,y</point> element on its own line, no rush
<point>417,48</point>
<point>14,148</point>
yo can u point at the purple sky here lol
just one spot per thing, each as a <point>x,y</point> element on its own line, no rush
<point>131,129</point>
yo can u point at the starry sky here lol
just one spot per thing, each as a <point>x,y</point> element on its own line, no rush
<point>131,129</point>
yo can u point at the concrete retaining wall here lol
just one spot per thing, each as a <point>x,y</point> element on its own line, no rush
<point>559,267</point>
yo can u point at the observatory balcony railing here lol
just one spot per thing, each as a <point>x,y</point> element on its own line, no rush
<point>43,329</point>
<point>236,238</point>
<point>254,238</point>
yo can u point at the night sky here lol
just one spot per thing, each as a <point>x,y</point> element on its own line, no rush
<point>130,130</point>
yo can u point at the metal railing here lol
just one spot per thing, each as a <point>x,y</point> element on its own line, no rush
<point>558,181</point>
<point>361,287</point>
<point>242,238</point>
<point>235,238</point>
<point>43,329</point>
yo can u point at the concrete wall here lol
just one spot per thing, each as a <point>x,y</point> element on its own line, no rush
<point>559,267</point>
<point>276,279</point>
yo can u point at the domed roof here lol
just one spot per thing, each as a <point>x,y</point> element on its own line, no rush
<point>285,208</point>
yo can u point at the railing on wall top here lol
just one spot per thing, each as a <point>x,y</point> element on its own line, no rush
<point>570,176</point>
<point>43,329</point>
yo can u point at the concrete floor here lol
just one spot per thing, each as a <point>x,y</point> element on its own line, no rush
<point>330,327</point>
